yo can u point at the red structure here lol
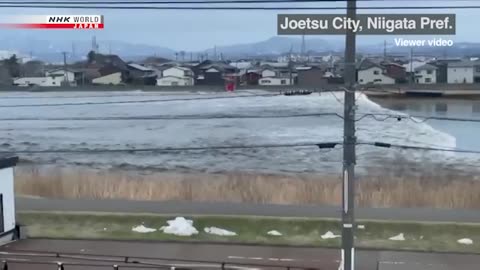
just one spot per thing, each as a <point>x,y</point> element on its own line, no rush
<point>230,83</point>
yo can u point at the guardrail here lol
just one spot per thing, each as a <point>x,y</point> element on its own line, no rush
<point>60,261</point>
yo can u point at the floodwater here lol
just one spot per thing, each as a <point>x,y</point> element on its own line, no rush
<point>18,134</point>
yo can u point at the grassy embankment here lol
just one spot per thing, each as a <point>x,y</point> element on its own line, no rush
<point>439,190</point>
<point>418,236</point>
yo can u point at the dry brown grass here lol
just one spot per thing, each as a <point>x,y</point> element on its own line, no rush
<point>438,192</point>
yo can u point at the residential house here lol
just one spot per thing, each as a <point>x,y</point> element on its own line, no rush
<point>242,68</point>
<point>426,74</point>
<point>176,76</point>
<point>212,73</point>
<point>396,71</point>
<point>110,79</point>
<point>139,74</point>
<point>252,76</point>
<point>373,73</point>
<point>410,67</point>
<point>68,76</point>
<point>87,75</point>
<point>311,77</point>
<point>442,68</point>
<point>462,72</point>
<point>52,78</point>
<point>277,76</point>
<point>38,81</point>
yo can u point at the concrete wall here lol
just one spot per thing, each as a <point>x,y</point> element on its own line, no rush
<point>460,75</point>
<point>6,189</point>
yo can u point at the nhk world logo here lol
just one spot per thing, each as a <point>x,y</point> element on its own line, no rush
<point>54,22</point>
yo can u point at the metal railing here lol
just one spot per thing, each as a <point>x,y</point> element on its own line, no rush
<point>130,262</point>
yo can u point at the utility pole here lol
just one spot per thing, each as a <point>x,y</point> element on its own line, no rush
<point>349,141</point>
<point>385,50</point>
<point>412,73</point>
<point>290,64</point>
<point>65,76</point>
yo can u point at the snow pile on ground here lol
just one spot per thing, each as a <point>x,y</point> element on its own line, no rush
<point>329,235</point>
<point>361,227</point>
<point>465,241</point>
<point>180,226</point>
<point>274,233</point>
<point>219,231</point>
<point>399,237</point>
<point>143,229</point>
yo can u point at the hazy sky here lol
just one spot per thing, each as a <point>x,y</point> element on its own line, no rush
<point>197,30</point>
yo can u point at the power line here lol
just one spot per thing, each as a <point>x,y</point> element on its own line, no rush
<point>376,116</point>
<point>176,2</point>
<point>414,118</point>
<point>420,148</point>
<point>173,117</point>
<point>43,6</point>
<point>324,145</point>
<point>133,101</point>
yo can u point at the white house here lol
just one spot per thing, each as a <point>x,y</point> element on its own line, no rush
<point>110,79</point>
<point>64,74</point>
<point>281,76</point>
<point>374,74</point>
<point>39,81</point>
<point>176,76</point>
<point>274,81</point>
<point>426,74</point>
<point>8,226</point>
<point>461,72</point>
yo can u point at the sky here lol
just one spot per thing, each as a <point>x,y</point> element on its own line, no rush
<point>194,30</point>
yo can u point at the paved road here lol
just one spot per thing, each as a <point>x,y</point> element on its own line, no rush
<point>188,208</point>
<point>103,254</point>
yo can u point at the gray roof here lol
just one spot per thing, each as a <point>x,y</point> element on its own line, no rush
<point>139,67</point>
<point>426,67</point>
<point>463,64</point>
<point>367,64</point>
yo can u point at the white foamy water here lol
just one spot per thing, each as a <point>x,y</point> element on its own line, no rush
<point>115,134</point>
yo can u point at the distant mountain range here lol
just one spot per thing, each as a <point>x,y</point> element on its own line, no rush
<point>51,51</point>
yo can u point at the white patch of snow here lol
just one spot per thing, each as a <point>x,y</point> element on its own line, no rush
<point>465,241</point>
<point>143,229</point>
<point>399,237</point>
<point>219,231</point>
<point>329,235</point>
<point>179,226</point>
<point>361,227</point>
<point>274,233</point>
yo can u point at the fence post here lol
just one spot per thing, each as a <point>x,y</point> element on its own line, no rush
<point>60,266</point>
<point>5,265</point>
<point>223,266</point>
